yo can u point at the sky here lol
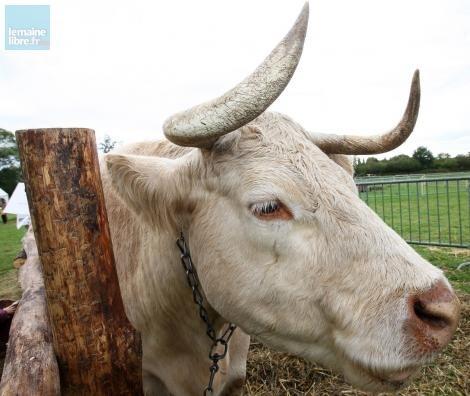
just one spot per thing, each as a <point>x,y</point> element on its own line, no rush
<point>123,67</point>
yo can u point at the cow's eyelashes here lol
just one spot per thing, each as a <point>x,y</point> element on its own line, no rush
<point>265,208</point>
<point>271,210</point>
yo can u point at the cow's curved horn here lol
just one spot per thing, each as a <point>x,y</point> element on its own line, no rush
<point>350,144</point>
<point>202,125</point>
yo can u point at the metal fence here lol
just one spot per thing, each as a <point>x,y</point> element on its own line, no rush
<point>423,211</point>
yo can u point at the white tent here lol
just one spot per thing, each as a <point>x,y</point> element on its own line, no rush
<point>3,195</point>
<point>18,205</point>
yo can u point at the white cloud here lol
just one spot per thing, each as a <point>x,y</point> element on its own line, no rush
<point>123,67</point>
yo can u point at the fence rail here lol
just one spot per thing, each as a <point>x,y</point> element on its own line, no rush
<point>425,211</point>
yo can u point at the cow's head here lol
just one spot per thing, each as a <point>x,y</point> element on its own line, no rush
<point>283,245</point>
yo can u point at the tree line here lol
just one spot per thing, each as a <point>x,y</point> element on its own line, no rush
<point>10,172</point>
<point>422,161</point>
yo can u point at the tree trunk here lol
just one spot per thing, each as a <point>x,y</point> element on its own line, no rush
<point>30,365</point>
<point>98,351</point>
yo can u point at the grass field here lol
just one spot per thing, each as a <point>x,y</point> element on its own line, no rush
<point>10,244</point>
<point>424,211</point>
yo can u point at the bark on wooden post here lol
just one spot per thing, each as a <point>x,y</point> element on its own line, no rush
<point>97,349</point>
<point>30,364</point>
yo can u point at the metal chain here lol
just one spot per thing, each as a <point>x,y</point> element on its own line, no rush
<point>217,342</point>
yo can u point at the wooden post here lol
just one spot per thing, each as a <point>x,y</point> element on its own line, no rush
<point>98,351</point>
<point>30,364</point>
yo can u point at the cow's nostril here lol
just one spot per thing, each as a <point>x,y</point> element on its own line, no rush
<point>434,319</point>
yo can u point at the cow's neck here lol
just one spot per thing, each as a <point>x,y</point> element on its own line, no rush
<point>174,337</point>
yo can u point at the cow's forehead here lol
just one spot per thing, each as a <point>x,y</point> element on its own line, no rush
<point>276,149</point>
<point>269,135</point>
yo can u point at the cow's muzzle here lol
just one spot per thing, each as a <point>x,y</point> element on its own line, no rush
<point>433,316</point>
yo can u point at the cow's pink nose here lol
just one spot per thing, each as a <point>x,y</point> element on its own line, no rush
<point>433,317</point>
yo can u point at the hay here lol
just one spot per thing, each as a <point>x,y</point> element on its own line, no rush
<point>274,373</point>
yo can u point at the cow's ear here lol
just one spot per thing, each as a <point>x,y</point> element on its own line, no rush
<point>151,186</point>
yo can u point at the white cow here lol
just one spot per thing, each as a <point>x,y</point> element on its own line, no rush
<point>283,245</point>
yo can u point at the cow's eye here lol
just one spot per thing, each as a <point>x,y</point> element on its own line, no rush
<point>271,210</point>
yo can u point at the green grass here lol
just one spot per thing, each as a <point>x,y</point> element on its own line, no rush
<point>433,211</point>
<point>448,259</point>
<point>10,245</point>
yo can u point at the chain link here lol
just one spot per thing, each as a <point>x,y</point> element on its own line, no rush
<point>217,342</point>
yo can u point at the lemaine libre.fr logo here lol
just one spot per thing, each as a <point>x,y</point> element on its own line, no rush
<point>27,27</point>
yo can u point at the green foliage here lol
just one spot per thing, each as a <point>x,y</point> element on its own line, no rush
<point>443,156</point>
<point>402,164</point>
<point>422,161</point>
<point>9,178</point>
<point>463,162</point>
<point>10,173</point>
<point>423,156</point>
<point>8,149</point>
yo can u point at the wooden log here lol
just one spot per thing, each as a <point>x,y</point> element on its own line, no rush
<point>30,364</point>
<point>98,351</point>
